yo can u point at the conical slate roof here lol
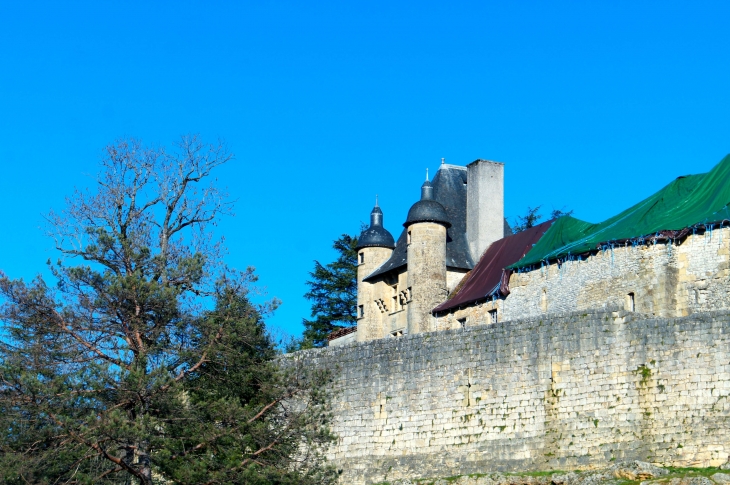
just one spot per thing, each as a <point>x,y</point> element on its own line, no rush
<point>449,190</point>
<point>427,209</point>
<point>375,236</point>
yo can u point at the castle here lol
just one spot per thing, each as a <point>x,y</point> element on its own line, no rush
<point>568,345</point>
<point>456,263</point>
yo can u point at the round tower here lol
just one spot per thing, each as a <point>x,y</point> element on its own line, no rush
<point>374,247</point>
<point>426,225</point>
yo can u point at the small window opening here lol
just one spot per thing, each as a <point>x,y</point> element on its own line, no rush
<point>360,311</point>
<point>409,237</point>
<point>630,302</point>
<point>493,316</point>
<point>362,258</point>
<point>544,301</point>
<point>396,300</point>
<point>397,333</point>
<point>462,322</point>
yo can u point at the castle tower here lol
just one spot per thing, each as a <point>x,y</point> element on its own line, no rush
<point>484,205</point>
<point>426,225</point>
<point>374,247</point>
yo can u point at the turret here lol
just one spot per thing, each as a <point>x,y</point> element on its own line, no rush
<point>374,247</point>
<point>426,225</point>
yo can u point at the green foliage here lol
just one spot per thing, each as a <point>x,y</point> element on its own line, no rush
<point>645,373</point>
<point>333,293</point>
<point>147,362</point>
<point>533,217</point>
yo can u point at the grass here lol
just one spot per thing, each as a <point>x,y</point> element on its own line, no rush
<point>674,472</point>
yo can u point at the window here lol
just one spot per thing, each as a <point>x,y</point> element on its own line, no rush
<point>462,322</point>
<point>409,237</point>
<point>543,301</point>
<point>397,333</point>
<point>630,302</point>
<point>396,306</point>
<point>360,311</point>
<point>493,316</point>
<point>362,258</point>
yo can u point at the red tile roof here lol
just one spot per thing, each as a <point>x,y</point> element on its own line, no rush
<point>341,332</point>
<point>487,275</point>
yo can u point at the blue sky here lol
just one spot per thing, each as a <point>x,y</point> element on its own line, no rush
<point>591,106</point>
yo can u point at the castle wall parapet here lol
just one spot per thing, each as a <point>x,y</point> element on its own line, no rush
<point>547,392</point>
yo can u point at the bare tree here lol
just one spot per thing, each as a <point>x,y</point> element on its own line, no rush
<point>148,359</point>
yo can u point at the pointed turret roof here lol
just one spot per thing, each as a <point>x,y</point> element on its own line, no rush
<point>376,236</point>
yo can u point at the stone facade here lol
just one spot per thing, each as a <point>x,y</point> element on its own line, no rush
<point>434,254</point>
<point>484,205</point>
<point>546,392</point>
<point>369,311</point>
<point>663,279</point>
<point>426,274</point>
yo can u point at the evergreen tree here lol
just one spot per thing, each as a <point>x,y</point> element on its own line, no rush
<point>147,362</point>
<point>333,292</point>
<point>533,217</point>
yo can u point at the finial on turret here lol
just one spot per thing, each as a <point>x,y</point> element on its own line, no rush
<point>376,200</point>
<point>426,175</point>
<point>442,160</point>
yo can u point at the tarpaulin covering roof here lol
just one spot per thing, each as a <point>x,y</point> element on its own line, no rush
<point>687,202</point>
<point>485,278</point>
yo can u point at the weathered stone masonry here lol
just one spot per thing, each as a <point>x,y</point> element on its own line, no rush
<point>675,279</point>
<point>548,392</point>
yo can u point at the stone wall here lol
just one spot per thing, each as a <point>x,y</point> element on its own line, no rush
<point>370,302</point>
<point>426,274</point>
<point>664,279</point>
<point>563,392</point>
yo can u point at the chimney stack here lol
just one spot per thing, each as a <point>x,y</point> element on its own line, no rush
<point>484,205</point>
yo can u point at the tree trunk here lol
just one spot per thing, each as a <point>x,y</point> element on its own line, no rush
<point>144,462</point>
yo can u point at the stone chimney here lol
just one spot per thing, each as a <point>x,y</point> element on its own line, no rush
<point>484,205</point>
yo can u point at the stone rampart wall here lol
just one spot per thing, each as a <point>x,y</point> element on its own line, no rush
<point>558,392</point>
<point>664,279</point>
<point>668,279</point>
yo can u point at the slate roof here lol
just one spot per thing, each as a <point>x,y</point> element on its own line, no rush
<point>427,209</point>
<point>375,236</point>
<point>449,189</point>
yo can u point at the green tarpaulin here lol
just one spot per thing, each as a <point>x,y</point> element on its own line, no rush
<point>694,201</point>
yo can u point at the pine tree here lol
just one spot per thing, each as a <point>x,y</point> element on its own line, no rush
<point>333,292</point>
<point>533,217</point>
<point>147,362</point>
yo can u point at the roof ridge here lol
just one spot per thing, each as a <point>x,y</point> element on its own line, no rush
<point>448,165</point>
